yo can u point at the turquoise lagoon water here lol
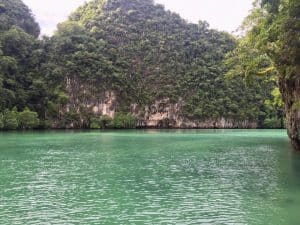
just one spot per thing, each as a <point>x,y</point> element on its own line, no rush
<point>149,177</point>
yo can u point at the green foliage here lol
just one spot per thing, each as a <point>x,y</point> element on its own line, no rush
<point>273,123</point>
<point>10,118</point>
<point>1,121</point>
<point>16,13</point>
<point>106,121</point>
<point>45,124</point>
<point>21,53</point>
<point>248,62</point>
<point>95,123</point>
<point>28,119</point>
<point>135,49</point>
<point>72,117</point>
<point>122,121</point>
<point>272,40</point>
<point>144,53</point>
<point>17,67</point>
<point>271,47</point>
<point>274,113</point>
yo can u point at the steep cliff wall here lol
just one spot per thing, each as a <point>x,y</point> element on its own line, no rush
<point>163,113</point>
<point>86,97</point>
<point>290,89</point>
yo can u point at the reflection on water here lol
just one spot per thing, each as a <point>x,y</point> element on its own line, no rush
<point>149,177</point>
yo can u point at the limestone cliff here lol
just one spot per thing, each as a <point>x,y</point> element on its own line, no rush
<point>86,97</point>
<point>161,114</point>
<point>290,89</point>
<point>164,114</point>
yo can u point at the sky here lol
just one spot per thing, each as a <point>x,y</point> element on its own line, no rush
<point>225,15</point>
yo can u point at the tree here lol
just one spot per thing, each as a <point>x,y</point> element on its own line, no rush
<point>136,52</point>
<point>106,121</point>
<point>122,121</point>
<point>10,118</point>
<point>21,84</point>
<point>272,45</point>
<point>143,53</point>
<point>95,123</point>
<point>16,13</point>
<point>1,121</point>
<point>28,119</point>
<point>17,67</point>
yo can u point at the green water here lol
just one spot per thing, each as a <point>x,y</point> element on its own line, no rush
<point>149,177</point>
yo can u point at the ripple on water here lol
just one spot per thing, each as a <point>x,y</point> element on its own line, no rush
<point>185,177</point>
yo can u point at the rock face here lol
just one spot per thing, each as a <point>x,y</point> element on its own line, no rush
<point>161,114</point>
<point>290,89</point>
<point>164,114</point>
<point>84,97</point>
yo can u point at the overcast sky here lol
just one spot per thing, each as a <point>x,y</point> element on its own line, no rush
<point>220,14</point>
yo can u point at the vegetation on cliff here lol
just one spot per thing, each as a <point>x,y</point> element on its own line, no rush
<point>12,119</point>
<point>135,49</point>
<point>144,53</point>
<point>21,84</point>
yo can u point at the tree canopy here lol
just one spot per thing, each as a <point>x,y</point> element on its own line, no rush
<point>271,47</point>
<point>144,53</point>
<point>20,53</point>
<point>16,13</point>
<point>133,48</point>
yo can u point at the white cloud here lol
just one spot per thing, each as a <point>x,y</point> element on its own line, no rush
<point>221,14</point>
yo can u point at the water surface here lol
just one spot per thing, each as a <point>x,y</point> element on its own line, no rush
<point>149,177</point>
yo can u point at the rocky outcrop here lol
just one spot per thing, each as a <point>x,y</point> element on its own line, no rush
<point>84,96</point>
<point>290,89</point>
<point>164,114</point>
<point>161,114</point>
